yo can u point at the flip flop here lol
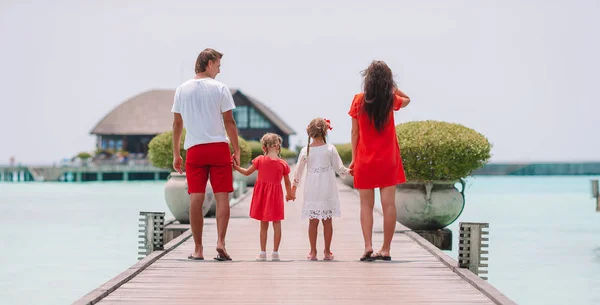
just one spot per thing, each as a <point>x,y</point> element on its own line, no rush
<point>367,257</point>
<point>222,256</point>
<point>312,257</point>
<point>378,256</point>
<point>328,257</point>
<point>192,257</point>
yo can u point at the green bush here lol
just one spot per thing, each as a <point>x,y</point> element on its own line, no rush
<point>345,151</point>
<point>257,151</point>
<point>160,150</point>
<point>256,148</point>
<point>288,154</point>
<point>440,151</point>
<point>84,155</point>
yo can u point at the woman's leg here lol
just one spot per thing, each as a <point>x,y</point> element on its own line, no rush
<point>367,200</point>
<point>277,235</point>
<point>388,205</point>
<point>264,228</point>
<point>327,236</point>
<point>313,227</point>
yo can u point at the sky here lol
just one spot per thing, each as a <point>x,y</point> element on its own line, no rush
<point>520,72</point>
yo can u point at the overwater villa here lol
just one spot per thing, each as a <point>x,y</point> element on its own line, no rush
<point>123,135</point>
<point>132,124</point>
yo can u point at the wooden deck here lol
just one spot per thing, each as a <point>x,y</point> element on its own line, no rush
<point>418,274</point>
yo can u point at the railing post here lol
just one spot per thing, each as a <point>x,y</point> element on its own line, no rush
<point>470,243</point>
<point>152,225</point>
<point>595,194</point>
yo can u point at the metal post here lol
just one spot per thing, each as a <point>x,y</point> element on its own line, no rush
<point>470,243</point>
<point>152,225</point>
<point>595,194</point>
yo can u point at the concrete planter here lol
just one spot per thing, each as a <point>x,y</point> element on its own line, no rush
<point>178,200</point>
<point>428,206</point>
<point>349,181</point>
<point>251,180</point>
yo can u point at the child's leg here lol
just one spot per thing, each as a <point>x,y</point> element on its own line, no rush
<point>264,227</point>
<point>327,235</point>
<point>277,235</point>
<point>313,228</point>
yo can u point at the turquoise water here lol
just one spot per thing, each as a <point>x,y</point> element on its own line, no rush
<point>544,237</point>
<point>63,240</point>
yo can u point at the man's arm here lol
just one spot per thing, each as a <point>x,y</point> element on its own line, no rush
<point>177,129</point>
<point>232,133</point>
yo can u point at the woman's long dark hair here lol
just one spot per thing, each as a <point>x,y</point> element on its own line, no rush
<point>379,87</point>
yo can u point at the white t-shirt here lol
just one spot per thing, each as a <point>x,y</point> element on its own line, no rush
<point>201,103</point>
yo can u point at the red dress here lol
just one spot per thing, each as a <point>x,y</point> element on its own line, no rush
<point>267,197</point>
<point>377,162</point>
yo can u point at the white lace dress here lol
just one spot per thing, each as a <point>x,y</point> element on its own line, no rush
<point>320,194</point>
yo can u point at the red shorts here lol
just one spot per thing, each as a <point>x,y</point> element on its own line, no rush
<point>209,160</point>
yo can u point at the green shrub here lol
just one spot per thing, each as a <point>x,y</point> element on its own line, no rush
<point>440,151</point>
<point>160,150</point>
<point>345,151</point>
<point>245,151</point>
<point>288,154</point>
<point>84,155</point>
<point>257,151</point>
<point>256,148</point>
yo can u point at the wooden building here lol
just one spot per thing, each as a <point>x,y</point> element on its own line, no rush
<point>132,124</point>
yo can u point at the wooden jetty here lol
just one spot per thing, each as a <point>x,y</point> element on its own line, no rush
<point>418,274</point>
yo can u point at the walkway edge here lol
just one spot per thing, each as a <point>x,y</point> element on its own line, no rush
<point>101,292</point>
<point>488,290</point>
<point>483,286</point>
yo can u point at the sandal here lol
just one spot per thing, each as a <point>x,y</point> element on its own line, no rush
<point>311,257</point>
<point>367,257</point>
<point>222,256</point>
<point>328,257</point>
<point>195,258</point>
<point>379,256</point>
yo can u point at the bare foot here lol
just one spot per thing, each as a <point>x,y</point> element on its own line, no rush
<point>222,253</point>
<point>197,254</point>
<point>384,252</point>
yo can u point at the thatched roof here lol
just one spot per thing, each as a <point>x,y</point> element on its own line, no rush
<point>149,113</point>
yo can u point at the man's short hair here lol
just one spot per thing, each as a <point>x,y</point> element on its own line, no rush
<point>204,57</point>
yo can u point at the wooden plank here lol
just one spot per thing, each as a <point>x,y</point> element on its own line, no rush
<point>417,274</point>
<point>97,294</point>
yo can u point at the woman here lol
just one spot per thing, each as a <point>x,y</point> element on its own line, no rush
<point>376,161</point>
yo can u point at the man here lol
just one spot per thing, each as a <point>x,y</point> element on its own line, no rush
<point>204,107</point>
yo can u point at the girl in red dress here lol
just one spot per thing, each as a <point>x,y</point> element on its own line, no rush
<point>267,197</point>
<point>376,161</point>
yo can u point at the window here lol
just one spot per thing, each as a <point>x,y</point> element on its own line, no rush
<point>257,120</point>
<point>240,114</point>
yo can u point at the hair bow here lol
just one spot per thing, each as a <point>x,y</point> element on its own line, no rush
<point>328,124</point>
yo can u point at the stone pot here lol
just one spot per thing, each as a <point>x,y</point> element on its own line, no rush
<point>429,206</point>
<point>349,181</point>
<point>251,180</point>
<point>178,199</point>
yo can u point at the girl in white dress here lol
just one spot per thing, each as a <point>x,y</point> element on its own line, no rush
<point>320,161</point>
